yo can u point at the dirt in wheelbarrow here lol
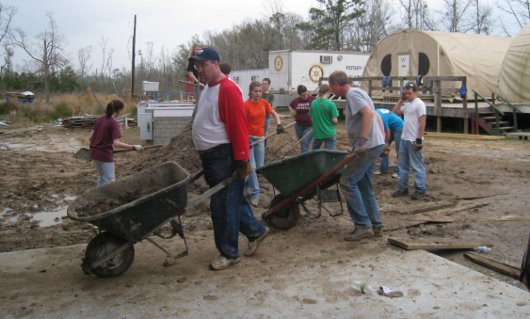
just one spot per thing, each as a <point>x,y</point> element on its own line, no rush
<point>478,191</point>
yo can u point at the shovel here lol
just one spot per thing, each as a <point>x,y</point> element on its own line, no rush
<point>84,153</point>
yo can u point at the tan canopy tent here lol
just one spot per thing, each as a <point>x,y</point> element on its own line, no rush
<point>413,52</point>
<point>514,77</point>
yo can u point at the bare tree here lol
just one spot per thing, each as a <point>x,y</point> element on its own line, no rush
<point>456,12</point>
<point>416,15</point>
<point>6,16</point>
<point>106,62</point>
<point>48,55</point>
<point>518,9</point>
<point>7,66</point>
<point>83,57</point>
<point>371,27</point>
<point>482,18</point>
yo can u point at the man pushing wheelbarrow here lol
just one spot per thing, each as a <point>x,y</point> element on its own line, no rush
<point>220,134</point>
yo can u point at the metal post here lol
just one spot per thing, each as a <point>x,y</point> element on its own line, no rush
<point>437,104</point>
<point>133,58</point>
<point>464,105</point>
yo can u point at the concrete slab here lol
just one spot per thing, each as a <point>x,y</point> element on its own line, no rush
<point>287,283</point>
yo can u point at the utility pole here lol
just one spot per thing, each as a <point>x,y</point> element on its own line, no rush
<point>133,57</point>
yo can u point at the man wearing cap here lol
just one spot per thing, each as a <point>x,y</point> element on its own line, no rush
<point>365,132</point>
<point>410,155</point>
<point>220,135</point>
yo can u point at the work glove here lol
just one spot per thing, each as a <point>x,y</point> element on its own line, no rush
<point>385,152</point>
<point>280,129</point>
<point>243,168</point>
<point>293,113</point>
<point>138,147</point>
<point>419,144</point>
<point>360,147</point>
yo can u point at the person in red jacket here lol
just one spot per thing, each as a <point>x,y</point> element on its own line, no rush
<point>220,134</point>
<point>104,137</point>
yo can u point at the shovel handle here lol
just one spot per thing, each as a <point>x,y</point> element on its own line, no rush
<point>145,148</point>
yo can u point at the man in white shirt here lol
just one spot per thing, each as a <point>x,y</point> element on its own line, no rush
<point>410,155</point>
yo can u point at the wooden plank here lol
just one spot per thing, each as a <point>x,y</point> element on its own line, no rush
<point>432,244</point>
<point>465,136</point>
<point>445,211</point>
<point>498,266</point>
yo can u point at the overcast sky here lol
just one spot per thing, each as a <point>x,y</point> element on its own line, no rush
<point>166,23</point>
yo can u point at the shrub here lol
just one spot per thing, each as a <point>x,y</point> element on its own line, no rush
<point>61,110</point>
<point>7,107</point>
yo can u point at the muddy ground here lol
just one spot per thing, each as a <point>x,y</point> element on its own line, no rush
<point>479,192</point>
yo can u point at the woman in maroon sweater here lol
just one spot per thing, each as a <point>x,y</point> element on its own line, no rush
<point>103,138</point>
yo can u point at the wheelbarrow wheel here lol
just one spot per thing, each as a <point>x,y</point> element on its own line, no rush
<point>286,217</point>
<point>105,245</point>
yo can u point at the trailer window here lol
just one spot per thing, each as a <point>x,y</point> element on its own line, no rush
<point>423,64</point>
<point>386,65</point>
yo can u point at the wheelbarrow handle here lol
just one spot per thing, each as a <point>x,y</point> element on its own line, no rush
<point>209,193</point>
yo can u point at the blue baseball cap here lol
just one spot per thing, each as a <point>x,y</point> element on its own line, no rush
<point>207,54</point>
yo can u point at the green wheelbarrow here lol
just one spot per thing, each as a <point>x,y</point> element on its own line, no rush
<point>300,178</point>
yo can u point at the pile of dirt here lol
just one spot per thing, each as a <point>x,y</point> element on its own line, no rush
<point>180,149</point>
<point>106,204</point>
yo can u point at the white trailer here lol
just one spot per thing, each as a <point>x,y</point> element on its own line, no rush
<point>288,68</point>
<point>244,77</point>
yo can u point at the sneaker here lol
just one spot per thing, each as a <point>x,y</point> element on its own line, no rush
<point>222,262</point>
<point>378,231</point>
<point>359,233</point>
<point>418,196</point>
<point>254,244</point>
<point>400,193</point>
<point>254,202</point>
<point>378,172</point>
<point>395,175</point>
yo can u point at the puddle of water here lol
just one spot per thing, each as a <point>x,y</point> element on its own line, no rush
<point>7,216</point>
<point>5,211</point>
<point>50,218</point>
<point>17,146</point>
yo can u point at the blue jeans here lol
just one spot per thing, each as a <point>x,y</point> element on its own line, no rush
<point>411,159</point>
<point>329,143</point>
<point>105,173</point>
<point>301,131</point>
<point>230,211</point>
<point>396,138</point>
<point>257,158</point>
<point>356,185</point>
<point>267,123</point>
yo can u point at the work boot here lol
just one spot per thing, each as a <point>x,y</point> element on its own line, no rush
<point>378,231</point>
<point>222,262</point>
<point>419,196</point>
<point>400,192</point>
<point>359,233</point>
<point>254,244</point>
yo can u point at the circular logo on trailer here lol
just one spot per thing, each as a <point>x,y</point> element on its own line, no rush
<point>278,63</point>
<point>315,73</point>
